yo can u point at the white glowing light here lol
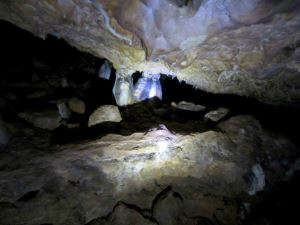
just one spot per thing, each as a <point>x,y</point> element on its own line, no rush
<point>148,86</point>
<point>162,145</point>
<point>152,92</point>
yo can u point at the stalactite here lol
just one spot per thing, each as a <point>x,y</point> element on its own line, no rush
<point>123,90</point>
<point>148,86</point>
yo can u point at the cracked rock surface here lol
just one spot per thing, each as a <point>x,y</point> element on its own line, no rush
<point>246,47</point>
<point>157,177</point>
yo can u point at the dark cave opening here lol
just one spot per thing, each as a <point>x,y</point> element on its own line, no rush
<point>39,74</point>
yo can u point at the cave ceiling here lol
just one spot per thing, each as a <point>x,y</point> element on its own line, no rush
<point>244,47</point>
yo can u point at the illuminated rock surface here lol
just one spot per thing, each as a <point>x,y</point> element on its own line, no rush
<point>216,115</point>
<point>105,113</point>
<point>248,47</point>
<point>189,106</point>
<point>157,177</point>
<point>76,105</point>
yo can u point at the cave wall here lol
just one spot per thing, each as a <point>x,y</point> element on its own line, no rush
<point>249,48</point>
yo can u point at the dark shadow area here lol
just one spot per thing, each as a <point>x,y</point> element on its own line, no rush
<point>279,205</point>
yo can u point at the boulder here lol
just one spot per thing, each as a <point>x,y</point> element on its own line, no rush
<point>188,106</point>
<point>44,119</point>
<point>216,115</point>
<point>105,113</point>
<point>76,105</point>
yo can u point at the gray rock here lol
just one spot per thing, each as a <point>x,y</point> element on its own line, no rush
<point>189,106</point>
<point>44,119</point>
<point>63,110</point>
<point>105,70</point>
<point>105,113</point>
<point>169,209</point>
<point>257,179</point>
<point>76,105</point>
<point>216,115</point>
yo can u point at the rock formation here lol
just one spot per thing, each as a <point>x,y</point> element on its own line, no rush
<point>244,47</point>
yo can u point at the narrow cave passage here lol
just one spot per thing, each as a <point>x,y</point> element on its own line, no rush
<point>189,158</point>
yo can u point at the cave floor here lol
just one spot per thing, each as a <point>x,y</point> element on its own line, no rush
<point>158,166</point>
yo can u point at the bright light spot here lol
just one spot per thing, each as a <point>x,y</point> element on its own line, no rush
<point>163,153</point>
<point>162,145</point>
<point>148,86</point>
<point>152,92</point>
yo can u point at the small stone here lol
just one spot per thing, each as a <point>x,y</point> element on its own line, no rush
<point>105,71</point>
<point>216,115</point>
<point>105,113</point>
<point>44,119</point>
<point>63,110</point>
<point>256,179</point>
<point>188,106</point>
<point>76,105</point>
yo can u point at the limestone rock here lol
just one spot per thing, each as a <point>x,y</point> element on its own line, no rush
<point>168,209</point>
<point>189,106</point>
<point>63,110</point>
<point>140,178</point>
<point>44,119</point>
<point>216,115</point>
<point>105,70</point>
<point>256,179</point>
<point>105,113</point>
<point>148,86</point>
<point>123,90</point>
<point>247,47</point>
<point>124,215</point>
<point>76,105</point>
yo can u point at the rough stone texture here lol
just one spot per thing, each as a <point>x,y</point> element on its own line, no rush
<point>144,178</point>
<point>45,119</point>
<point>76,105</point>
<point>247,47</point>
<point>189,106</point>
<point>105,113</point>
<point>216,115</point>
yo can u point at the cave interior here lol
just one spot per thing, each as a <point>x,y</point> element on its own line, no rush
<point>73,153</point>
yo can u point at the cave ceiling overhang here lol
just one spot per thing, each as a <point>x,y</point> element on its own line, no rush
<point>243,47</point>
